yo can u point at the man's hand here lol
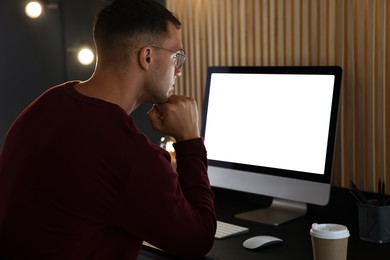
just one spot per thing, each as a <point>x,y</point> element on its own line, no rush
<point>178,117</point>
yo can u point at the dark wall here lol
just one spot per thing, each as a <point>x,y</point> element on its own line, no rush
<point>31,58</point>
<point>37,54</point>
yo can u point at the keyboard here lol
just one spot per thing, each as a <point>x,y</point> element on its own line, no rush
<point>225,230</point>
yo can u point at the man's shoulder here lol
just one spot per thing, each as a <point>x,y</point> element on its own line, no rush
<point>53,92</point>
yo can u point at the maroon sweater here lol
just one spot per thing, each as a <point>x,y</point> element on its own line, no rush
<point>79,181</point>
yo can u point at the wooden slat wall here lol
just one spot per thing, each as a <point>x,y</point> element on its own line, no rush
<point>354,34</point>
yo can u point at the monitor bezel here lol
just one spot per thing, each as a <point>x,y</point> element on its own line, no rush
<point>309,70</point>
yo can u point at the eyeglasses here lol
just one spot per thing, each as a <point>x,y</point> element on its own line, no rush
<point>180,55</point>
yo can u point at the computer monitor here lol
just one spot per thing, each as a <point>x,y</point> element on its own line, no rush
<point>271,131</point>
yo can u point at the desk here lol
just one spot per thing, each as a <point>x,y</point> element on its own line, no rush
<point>341,209</point>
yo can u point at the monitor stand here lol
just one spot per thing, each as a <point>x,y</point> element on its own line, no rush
<point>280,211</point>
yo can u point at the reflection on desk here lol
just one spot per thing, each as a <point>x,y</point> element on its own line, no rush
<point>342,209</point>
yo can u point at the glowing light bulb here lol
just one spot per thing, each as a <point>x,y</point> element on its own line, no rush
<point>167,142</point>
<point>86,56</point>
<point>33,9</point>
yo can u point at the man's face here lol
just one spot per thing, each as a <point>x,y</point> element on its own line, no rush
<point>164,71</point>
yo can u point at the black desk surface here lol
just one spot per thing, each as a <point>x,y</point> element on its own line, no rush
<point>296,244</point>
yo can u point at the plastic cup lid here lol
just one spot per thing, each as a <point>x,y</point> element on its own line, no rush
<point>329,231</point>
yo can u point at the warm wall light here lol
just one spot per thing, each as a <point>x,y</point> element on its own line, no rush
<point>85,56</point>
<point>33,9</point>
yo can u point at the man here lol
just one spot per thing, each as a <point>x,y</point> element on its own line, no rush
<point>79,181</point>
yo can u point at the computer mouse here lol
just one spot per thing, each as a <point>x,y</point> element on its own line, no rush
<point>261,242</point>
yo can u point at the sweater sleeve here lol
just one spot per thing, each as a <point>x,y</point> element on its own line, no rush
<point>191,158</point>
<point>171,209</point>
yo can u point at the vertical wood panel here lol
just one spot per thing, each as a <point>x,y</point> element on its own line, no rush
<point>354,34</point>
<point>305,25</point>
<point>265,31</point>
<point>257,40</point>
<point>295,32</point>
<point>386,75</point>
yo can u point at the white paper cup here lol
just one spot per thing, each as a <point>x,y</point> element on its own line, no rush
<point>329,241</point>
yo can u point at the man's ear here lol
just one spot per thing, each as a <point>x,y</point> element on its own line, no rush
<point>145,57</point>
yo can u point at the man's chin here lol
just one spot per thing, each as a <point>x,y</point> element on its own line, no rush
<point>170,94</point>
<point>162,101</point>
<point>165,99</point>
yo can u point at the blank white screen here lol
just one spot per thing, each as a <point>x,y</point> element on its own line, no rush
<point>271,120</point>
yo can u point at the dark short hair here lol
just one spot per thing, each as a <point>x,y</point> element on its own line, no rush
<point>129,23</point>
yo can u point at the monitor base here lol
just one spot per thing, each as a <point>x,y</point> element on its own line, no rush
<point>279,212</point>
